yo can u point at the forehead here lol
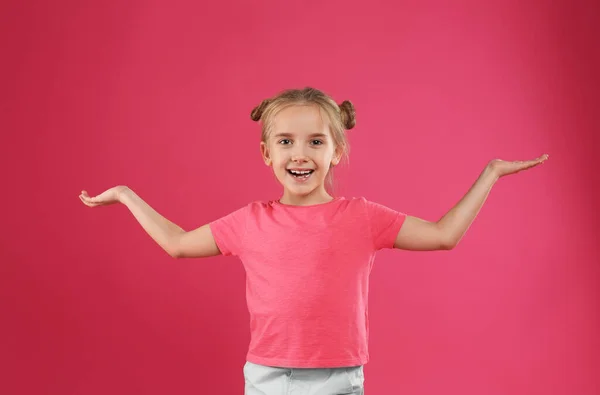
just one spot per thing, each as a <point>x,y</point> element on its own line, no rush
<point>300,119</point>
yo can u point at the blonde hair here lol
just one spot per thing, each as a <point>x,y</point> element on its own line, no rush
<point>342,117</point>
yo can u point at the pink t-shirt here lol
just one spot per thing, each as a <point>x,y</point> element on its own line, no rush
<point>307,277</point>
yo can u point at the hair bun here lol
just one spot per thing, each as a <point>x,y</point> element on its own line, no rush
<point>348,114</point>
<point>257,113</point>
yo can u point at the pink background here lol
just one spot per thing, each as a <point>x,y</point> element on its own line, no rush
<point>157,96</point>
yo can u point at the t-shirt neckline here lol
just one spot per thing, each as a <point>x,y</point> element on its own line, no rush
<point>335,199</point>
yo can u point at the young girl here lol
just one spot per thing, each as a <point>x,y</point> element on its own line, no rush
<point>308,255</point>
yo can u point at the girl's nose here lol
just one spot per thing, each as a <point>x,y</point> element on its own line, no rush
<point>298,155</point>
<point>299,158</point>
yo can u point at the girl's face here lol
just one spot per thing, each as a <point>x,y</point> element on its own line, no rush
<point>300,149</point>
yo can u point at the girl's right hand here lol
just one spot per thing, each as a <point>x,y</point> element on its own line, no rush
<point>110,196</point>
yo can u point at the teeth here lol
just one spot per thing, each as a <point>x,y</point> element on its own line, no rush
<point>301,172</point>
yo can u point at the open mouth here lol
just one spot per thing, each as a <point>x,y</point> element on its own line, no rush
<point>300,174</point>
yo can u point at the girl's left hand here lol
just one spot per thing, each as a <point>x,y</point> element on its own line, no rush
<point>502,168</point>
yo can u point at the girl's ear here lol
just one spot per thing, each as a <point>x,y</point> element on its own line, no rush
<point>337,156</point>
<point>264,151</point>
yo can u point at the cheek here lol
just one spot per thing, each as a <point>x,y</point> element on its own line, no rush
<point>278,156</point>
<point>326,156</point>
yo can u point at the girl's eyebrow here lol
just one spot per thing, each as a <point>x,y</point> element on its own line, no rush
<point>322,135</point>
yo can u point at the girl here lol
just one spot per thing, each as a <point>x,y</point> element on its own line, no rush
<point>308,255</point>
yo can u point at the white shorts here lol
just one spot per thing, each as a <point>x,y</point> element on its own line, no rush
<point>270,380</point>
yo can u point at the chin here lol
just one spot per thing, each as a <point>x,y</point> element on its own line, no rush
<point>299,189</point>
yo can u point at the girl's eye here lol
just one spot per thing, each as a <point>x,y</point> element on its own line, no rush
<point>288,141</point>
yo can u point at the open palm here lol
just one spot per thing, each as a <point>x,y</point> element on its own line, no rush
<point>504,168</point>
<point>110,196</point>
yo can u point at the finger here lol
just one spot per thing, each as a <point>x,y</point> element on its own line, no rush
<point>91,200</point>
<point>531,163</point>
<point>87,203</point>
<point>541,158</point>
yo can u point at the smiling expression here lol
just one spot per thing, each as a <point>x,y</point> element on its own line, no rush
<point>300,149</point>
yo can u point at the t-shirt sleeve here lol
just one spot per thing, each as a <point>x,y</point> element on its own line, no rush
<point>229,231</point>
<point>384,224</point>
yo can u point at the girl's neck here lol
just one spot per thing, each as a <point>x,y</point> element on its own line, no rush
<point>316,197</point>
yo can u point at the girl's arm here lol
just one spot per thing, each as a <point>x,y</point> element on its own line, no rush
<point>173,239</point>
<point>420,235</point>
